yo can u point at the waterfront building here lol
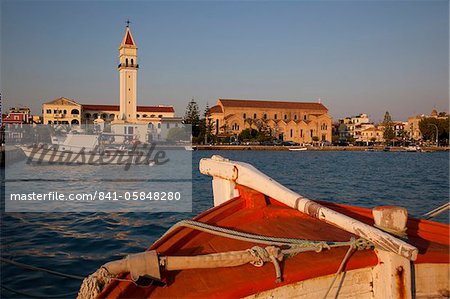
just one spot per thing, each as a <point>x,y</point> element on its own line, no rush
<point>17,115</point>
<point>300,122</point>
<point>372,134</point>
<point>126,118</point>
<point>412,126</point>
<point>352,127</point>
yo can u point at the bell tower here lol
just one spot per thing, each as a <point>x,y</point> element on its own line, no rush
<point>128,77</point>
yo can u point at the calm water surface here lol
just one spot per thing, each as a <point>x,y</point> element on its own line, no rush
<point>80,243</point>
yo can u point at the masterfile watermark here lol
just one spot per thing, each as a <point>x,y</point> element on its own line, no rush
<point>98,195</point>
<point>135,168</point>
<point>143,155</point>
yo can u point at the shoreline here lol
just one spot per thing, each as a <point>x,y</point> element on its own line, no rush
<point>323,148</point>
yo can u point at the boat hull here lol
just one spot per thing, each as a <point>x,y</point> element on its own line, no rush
<point>307,274</point>
<point>300,149</point>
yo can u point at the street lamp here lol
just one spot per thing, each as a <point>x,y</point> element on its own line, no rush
<point>437,134</point>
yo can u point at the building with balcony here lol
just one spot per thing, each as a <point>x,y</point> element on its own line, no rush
<point>352,127</point>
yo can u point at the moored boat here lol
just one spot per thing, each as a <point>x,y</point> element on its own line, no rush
<point>413,148</point>
<point>298,149</point>
<point>263,240</point>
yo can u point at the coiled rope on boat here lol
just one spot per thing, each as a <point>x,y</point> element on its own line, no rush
<point>150,263</point>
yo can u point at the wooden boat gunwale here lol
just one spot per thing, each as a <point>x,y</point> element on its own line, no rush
<point>240,200</point>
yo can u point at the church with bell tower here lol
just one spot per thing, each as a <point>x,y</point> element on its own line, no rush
<point>145,122</point>
<point>128,68</point>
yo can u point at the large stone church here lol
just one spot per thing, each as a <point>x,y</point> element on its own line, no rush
<point>302,122</point>
<point>67,111</point>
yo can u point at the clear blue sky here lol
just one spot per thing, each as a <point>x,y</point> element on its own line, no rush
<point>358,56</point>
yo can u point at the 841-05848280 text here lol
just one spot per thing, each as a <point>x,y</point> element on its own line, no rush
<point>99,195</point>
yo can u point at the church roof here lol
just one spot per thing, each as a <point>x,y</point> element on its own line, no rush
<point>138,108</point>
<point>272,104</point>
<point>128,39</point>
<point>215,109</point>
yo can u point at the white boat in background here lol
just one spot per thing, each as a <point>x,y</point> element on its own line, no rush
<point>413,148</point>
<point>298,149</point>
<point>76,142</point>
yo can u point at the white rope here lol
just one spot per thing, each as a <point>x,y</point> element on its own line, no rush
<point>92,285</point>
<point>248,237</point>
<point>341,266</point>
<point>439,210</point>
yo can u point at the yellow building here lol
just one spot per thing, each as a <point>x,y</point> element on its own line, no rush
<point>372,134</point>
<point>290,121</point>
<point>67,111</point>
<point>61,111</point>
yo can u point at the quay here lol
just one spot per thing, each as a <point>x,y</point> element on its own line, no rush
<point>310,148</point>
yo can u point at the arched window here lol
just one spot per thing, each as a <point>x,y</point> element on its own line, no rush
<point>275,116</point>
<point>265,116</point>
<point>112,116</point>
<point>137,115</point>
<point>159,125</point>
<point>65,111</point>
<point>292,132</point>
<point>254,115</point>
<point>75,111</point>
<point>245,116</point>
<point>145,115</point>
<point>152,115</point>
<point>132,62</point>
<point>160,115</point>
<point>74,122</point>
<point>126,61</point>
<point>295,117</point>
<point>104,116</point>
<point>150,126</point>
<point>87,115</point>
<point>95,115</point>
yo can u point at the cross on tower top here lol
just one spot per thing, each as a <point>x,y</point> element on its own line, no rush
<point>128,23</point>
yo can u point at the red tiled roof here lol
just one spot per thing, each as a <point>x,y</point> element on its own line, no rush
<point>215,109</point>
<point>101,107</point>
<point>272,104</point>
<point>139,108</point>
<point>155,109</point>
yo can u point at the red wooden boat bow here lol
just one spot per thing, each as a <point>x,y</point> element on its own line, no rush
<point>253,204</point>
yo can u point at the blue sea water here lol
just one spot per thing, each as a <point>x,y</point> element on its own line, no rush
<point>78,243</point>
